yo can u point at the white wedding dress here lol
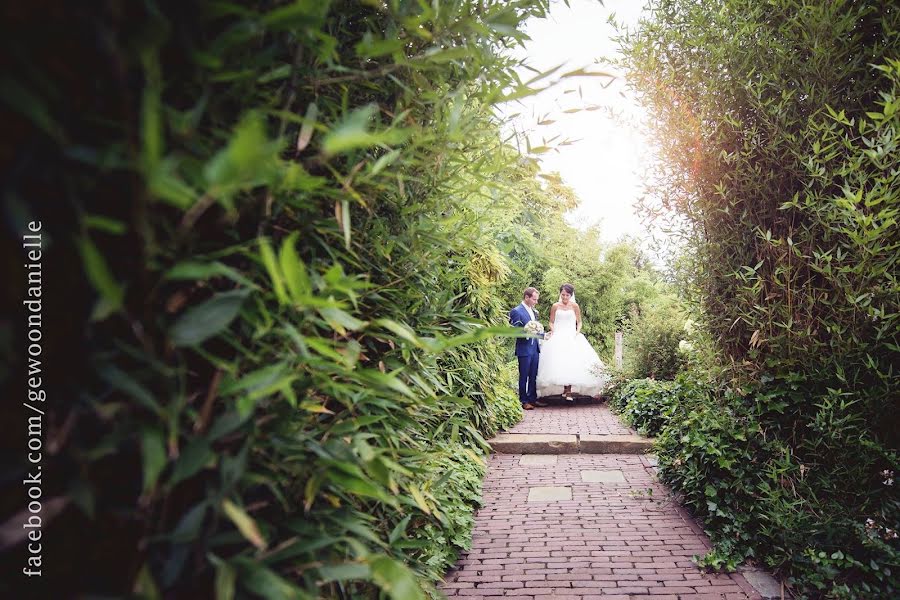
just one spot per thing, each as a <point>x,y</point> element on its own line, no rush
<point>567,358</point>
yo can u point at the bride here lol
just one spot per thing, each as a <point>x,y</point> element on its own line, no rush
<point>568,362</point>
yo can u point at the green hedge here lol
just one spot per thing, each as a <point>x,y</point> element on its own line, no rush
<point>777,127</point>
<point>272,288</point>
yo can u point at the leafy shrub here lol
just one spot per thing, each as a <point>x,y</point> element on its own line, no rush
<point>645,404</point>
<point>760,499</point>
<point>713,458</point>
<point>457,489</point>
<point>652,340</point>
<point>778,164</point>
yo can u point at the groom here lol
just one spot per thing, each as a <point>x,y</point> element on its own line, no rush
<point>528,351</point>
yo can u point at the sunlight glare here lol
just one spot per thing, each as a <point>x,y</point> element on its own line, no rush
<point>606,163</point>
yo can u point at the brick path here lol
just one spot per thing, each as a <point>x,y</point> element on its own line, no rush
<point>611,540</point>
<point>591,419</point>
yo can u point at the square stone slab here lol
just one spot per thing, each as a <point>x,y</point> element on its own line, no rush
<point>602,477</point>
<point>549,493</point>
<point>767,586</point>
<point>538,459</point>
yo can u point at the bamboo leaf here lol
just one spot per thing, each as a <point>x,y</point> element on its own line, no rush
<point>226,577</point>
<point>395,579</point>
<point>296,278</point>
<point>268,258</point>
<point>153,451</point>
<point>208,319</point>
<point>345,572</point>
<point>353,132</point>
<point>100,276</point>
<point>245,524</point>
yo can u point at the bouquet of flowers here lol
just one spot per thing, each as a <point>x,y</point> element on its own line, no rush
<point>535,328</point>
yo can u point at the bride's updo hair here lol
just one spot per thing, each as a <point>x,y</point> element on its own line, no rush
<point>568,287</point>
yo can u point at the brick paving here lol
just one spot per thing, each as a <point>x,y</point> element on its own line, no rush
<point>590,419</point>
<point>612,540</point>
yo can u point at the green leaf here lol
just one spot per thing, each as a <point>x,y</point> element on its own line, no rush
<point>295,276</point>
<point>345,222</point>
<point>127,384</point>
<point>225,424</point>
<point>298,14</point>
<point>353,132</point>
<point>226,576</point>
<point>399,530</point>
<point>145,587</point>
<point>193,458</point>
<point>151,113</point>
<point>394,466</point>
<point>264,582</point>
<point>340,320</point>
<point>371,47</point>
<point>395,578</point>
<point>387,380</point>
<point>105,224</point>
<point>311,489</point>
<point>259,379</point>
<point>419,497</point>
<point>247,403</point>
<point>401,330</point>
<point>345,572</point>
<point>153,452</point>
<point>279,72</point>
<point>191,270</point>
<point>323,347</point>
<point>189,526</point>
<point>206,320</point>
<point>100,276</point>
<point>359,487</point>
<point>250,159</point>
<point>245,524</point>
<point>268,258</point>
<point>384,162</point>
<point>445,55</point>
<point>164,183</point>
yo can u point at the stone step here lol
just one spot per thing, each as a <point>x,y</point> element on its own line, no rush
<point>550,443</point>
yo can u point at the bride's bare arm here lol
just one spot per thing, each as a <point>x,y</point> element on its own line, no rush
<point>577,319</point>
<point>552,318</point>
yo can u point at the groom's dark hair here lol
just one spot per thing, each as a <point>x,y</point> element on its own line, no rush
<point>529,292</point>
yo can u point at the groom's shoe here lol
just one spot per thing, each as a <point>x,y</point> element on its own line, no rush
<point>528,406</point>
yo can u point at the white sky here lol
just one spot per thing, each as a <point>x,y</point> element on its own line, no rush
<point>605,167</point>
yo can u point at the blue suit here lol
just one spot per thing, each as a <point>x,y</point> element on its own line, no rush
<point>528,352</point>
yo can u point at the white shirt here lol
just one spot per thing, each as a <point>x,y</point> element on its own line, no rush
<point>530,312</point>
